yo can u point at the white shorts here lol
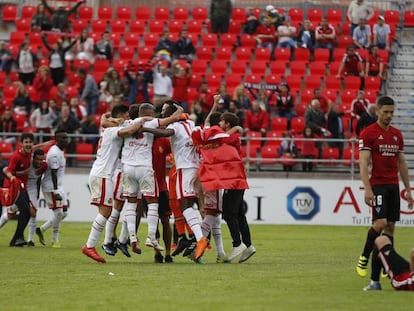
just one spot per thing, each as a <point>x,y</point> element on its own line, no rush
<point>117,182</point>
<point>188,184</point>
<point>51,200</point>
<point>34,202</point>
<point>139,181</point>
<point>213,200</point>
<point>102,191</point>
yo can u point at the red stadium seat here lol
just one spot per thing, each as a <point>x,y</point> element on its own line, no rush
<point>277,68</point>
<point>6,150</point>
<point>78,25</point>
<point>252,154</point>
<point>321,55</point>
<point>23,24</point>
<point>213,80</point>
<point>238,66</point>
<point>9,12</point>
<point>282,54</point>
<point>85,13</point>
<point>279,123</point>
<point>82,63</point>
<point>209,40</point>
<point>273,136</point>
<point>338,54</point>
<point>118,26</point>
<point>243,53</point>
<point>194,26</point>
<point>373,83</point>
<point>105,13</point>
<point>298,68</point>
<point>262,54</point>
<point>84,152</point>
<point>315,15</point>
<point>162,13</point>
<point>239,14</point>
<point>296,15</point>
<point>392,17</point>
<point>199,66</point>
<point>180,13</point>
<point>175,26</point>
<point>17,37</point>
<point>101,65</point>
<point>294,82</point>
<point>352,82</point>
<point>151,39</point>
<point>219,66</point>
<point>28,11</point>
<point>313,82</point>
<point>132,39</point>
<point>9,91</point>
<point>331,94</point>
<point>306,95</point>
<point>317,68</point>
<point>156,26</point>
<point>371,95</point>
<point>344,41</point>
<point>333,83</point>
<point>334,16</point>
<point>235,27</point>
<point>273,79</point>
<point>350,154</point>
<point>123,13</point>
<point>301,108</point>
<point>252,78</point>
<point>116,39</point>
<point>254,138</point>
<point>268,155</point>
<point>20,120</point>
<point>258,67</point>
<point>233,80</point>
<point>137,26</point>
<point>200,13</point>
<point>409,19</point>
<point>126,52</point>
<point>347,96</point>
<point>302,54</point>
<point>247,40</point>
<point>145,52</point>
<point>143,13</point>
<point>205,53</point>
<point>297,124</point>
<point>98,25</point>
<point>119,64</point>
<point>330,154</point>
<point>224,53</point>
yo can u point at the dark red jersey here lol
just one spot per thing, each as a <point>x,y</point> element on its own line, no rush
<point>385,145</point>
<point>19,166</point>
<point>160,149</point>
<point>403,281</point>
<point>353,64</point>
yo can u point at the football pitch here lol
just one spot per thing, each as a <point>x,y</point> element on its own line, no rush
<point>295,268</point>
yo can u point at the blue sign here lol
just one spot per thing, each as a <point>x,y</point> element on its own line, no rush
<point>303,203</point>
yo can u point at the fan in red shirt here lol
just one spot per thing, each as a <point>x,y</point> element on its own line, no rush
<point>359,106</point>
<point>181,83</point>
<point>374,64</point>
<point>256,119</point>
<point>266,34</point>
<point>382,146</point>
<point>352,64</point>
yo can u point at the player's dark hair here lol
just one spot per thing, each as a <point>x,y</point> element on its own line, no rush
<point>38,152</point>
<point>146,109</point>
<point>171,108</point>
<point>60,132</point>
<point>27,135</point>
<point>134,111</point>
<point>385,100</point>
<point>215,118</point>
<point>118,109</point>
<point>230,118</point>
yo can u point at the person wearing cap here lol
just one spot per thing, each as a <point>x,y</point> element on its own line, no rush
<point>272,13</point>
<point>286,34</point>
<point>381,32</point>
<point>359,9</point>
<point>362,35</point>
<point>220,14</point>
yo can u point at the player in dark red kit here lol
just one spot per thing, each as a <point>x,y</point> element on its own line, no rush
<point>400,271</point>
<point>382,145</point>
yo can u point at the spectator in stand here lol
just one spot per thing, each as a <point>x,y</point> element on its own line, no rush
<point>374,65</point>
<point>235,108</point>
<point>256,119</point>
<point>61,94</point>
<point>315,119</point>
<point>336,128</point>
<point>220,15</point>
<point>184,48</point>
<point>205,98</point>
<point>352,65</point>
<point>272,13</point>
<point>265,34</point>
<point>165,47</point>
<point>359,9</point>
<point>162,84</point>
<point>27,63</point>
<point>359,106</point>
<point>103,48</point>
<point>22,103</point>
<point>306,36</point>
<point>42,119</point>
<point>325,35</point>
<point>324,102</point>
<point>362,35</point>
<point>90,128</point>
<point>104,94</point>
<point>57,61</point>
<point>6,58</point>
<point>115,85</point>
<point>181,83</point>
<point>225,96</point>
<point>8,125</point>
<point>41,20</point>
<point>308,149</point>
<point>367,118</point>
<point>287,151</point>
<point>89,92</point>
<point>251,23</point>
<point>70,125</point>
<point>42,84</point>
<point>137,84</point>
<point>381,34</point>
<point>60,16</point>
<point>240,95</point>
<point>79,111</point>
<point>197,114</point>
<point>85,47</point>
<point>286,34</point>
<point>285,102</point>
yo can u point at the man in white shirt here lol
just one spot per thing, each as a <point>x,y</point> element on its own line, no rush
<point>381,32</point>
<point>286,34</point>
<point>138,178</point>
<point>52,187</point>
<point>163,88</point>
<point>362,35</point>
<point>359,9</point>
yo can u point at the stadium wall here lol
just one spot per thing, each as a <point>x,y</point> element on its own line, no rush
<point>268,201</point>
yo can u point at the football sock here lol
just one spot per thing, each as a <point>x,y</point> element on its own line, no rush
<point>55,219</point>
<point>152,219</point>
<point>32,228</point>
<point>216,231</point>
<point>376,266</point>
<point>60,215</point>
<point>130,217</point>
<point>4,219</point>
<point>369,244</point>
<point>193,219</point>
<point>123,236</point>
<point>206,226</point>
<point>110,225</point>
<point>96,230</point>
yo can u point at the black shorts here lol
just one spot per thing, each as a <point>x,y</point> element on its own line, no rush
<point>387,202</point>
<point>393,263</point>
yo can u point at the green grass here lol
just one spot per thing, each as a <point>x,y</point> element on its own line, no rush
<point>295,268</point>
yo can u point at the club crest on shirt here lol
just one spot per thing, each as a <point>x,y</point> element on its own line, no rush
<point>380,137</point>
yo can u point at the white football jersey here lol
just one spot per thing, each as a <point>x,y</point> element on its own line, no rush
<point>185,153</point>
<point>137,150</point>
<point>55,160</point>
<point>109,149</point>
